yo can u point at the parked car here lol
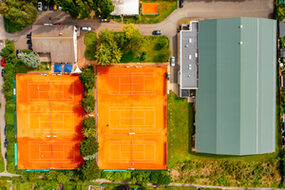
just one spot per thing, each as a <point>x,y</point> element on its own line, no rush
<point>3,62</point>
<point>48,24</point>
<point>156,32</point>
<point>59,8</point>
<point>51,6</point>
<point>45,6</point>
<point>5,143</point>
<point>58,24</point>
<point>40,6</point>
<point>30,47</point>
<point>55,7</point>
<point>105,20</point>
<point>181,3</point>
<point>17,52</point>
<point>172,61</point>
<point>167,75</point>
<point>29,41</point>
<point>2,74</point>
<point>86,28</point>
<point>29,35</point>
<point>5,155</point>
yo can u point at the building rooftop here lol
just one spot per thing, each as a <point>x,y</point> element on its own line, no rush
<point>59,41</point>
<point>189,57</point>
<point>236,100</point>
<point>126,7</point>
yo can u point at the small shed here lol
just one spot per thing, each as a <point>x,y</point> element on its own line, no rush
<point>67,68</point>
<point>57,68</point>
<point>281,29</point>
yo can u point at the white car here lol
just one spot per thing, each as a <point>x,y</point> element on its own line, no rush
<point>86,28</point>
<point>172,61</point>
<point>40,6</point>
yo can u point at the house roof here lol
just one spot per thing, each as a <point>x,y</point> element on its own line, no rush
<point>51,39</point>
<point>125,7</point>
<point>188,44</point>
<point>237,83</point>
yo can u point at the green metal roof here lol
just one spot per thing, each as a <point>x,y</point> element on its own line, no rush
<point>236,89</point>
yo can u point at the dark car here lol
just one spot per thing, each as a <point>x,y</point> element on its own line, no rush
<point>156,32</point>
<point>45,6</point>
<point>5,143</point>
<point>30,47</point>
<point>17,52</point>
<point>181,3</point>
<point>60,24</point>
<point>29,41</point>
<point>51,6</point>
<point>5,155</point>
<point>2,74</point>
<point>29,35</point>
<point>5,126</point>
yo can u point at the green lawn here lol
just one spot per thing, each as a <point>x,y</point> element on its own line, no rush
<point>11,27</point>
<point>166,8</point>
<point>152,53</point>
<point>22,68</point>
<point>90,41</point>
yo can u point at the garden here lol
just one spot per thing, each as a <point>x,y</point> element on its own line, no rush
<point>126,46</point>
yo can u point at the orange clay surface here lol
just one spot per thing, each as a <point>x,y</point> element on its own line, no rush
<point>132,117</point>
<point>150,8</point>
<point>48,121</point>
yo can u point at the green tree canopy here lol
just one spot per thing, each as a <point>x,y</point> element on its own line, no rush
<point>88,103</point>
<point>279,12</point>
<point>133,36</point>
<point>89,146</point>
<point>19,12</point>
<point>89,170</point>
<point>108,54</point>
<point>30,59</point>
<point>161,178</point>
<point>87,78</point>
<point>89,122</point>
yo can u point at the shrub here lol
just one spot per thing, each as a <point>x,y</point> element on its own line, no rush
<point>162,178</point>
<point>30,59</point>
<point>89,170</point>
<point>88,132</point>
<point>89,146</point>
<point>140,178</point>
<point>88,103</point>
<point>87,78</point>
<point>161,43</point>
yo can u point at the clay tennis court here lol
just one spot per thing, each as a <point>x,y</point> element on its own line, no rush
<point>131,117</point>
<point>150,8</point>
<point>48,121</point>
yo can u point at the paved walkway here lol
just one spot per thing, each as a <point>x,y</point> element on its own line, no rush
<point>2,120</point>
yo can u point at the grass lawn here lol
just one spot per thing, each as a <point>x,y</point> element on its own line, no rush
<point>90,41</point>
<point>11,27</point>
<point>180,127</point>
<point>22,68</point>
<point>152,53</point>
<point>166,8</point>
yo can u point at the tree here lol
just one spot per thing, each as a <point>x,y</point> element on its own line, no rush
<point>69,6</point>
<point>108,54</point>
<point>88,146</point>
<point>133,36</point>
<point>87,78</point>
<point>106,7</point>
<point>140,178</point>
<point>88,103</point>
<point>88,132</point>
<point>30,59</point>
<point>89,170</point>
<point>19,12</point>
<point>89,122</point>
<point>164,55</point>
<point>162,42</point>
<point>161,178</point>
<point>279,12</point>
<point>106,36</point>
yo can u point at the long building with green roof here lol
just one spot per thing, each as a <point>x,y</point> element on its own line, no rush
<point>236,96</point>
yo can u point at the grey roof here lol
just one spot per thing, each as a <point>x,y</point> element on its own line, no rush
<point>59,41</point>
<point>281,29</point>
<point>189,57</point>
<point>236,98</point>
